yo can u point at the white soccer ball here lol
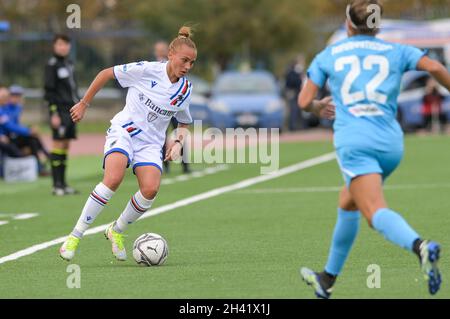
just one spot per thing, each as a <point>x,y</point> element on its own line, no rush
<point>150,250</point>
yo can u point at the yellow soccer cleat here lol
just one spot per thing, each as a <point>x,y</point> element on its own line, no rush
<point>67,250</point>
<point>118,248</point>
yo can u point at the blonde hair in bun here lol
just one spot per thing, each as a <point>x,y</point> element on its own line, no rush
<point>184,38</point>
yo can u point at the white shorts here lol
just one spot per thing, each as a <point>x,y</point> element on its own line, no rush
<point>125,140</point>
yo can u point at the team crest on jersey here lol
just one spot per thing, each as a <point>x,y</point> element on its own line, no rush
<point>151,117</point>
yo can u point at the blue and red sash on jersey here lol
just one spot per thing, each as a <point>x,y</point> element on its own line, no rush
<point>182,94</point>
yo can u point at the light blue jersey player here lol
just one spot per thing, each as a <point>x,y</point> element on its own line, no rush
<point>364,75</point>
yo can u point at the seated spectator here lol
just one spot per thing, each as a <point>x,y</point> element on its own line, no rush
<point>15,103</point>
<point>7,148</point>
<point>23,138</point>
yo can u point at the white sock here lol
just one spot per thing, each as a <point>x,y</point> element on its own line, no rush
<point>94,205</point>
<point>135,208</point>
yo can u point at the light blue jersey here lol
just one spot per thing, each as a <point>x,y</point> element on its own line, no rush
<point>364,76</point>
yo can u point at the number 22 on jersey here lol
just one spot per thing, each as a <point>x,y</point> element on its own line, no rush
<point>368,63</point>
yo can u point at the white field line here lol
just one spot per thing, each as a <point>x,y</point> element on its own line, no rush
<point>322,189</point>
<point>184,202</point>
<point>25,216</point>
<point>164,180</point>
<point>22,216</point>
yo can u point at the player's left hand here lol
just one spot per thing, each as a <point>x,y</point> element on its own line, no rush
<point>173,151</point>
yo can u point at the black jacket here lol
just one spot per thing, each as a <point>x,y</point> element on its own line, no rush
<point>60,84</point>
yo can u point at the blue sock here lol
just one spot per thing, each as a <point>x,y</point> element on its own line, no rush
<point>394,228</point>
<point>345,231</point>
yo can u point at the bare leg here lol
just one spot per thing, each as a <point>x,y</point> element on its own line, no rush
<point>149,178</point>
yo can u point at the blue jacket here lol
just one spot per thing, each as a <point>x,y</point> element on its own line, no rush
<point>8,126</point>
<point>14,111</point>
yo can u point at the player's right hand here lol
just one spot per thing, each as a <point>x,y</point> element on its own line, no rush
<point>327,109</point>
<point>77,112</point>
<point>55,121</point>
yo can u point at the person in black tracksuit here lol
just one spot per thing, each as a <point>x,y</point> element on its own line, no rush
<point>61,93</point>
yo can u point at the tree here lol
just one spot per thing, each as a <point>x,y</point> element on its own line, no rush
<point>226,28</point>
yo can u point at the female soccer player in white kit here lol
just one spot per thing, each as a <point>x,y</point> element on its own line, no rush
<point>156,92</point>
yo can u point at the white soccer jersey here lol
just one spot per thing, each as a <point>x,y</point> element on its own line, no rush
<point>151,100</point>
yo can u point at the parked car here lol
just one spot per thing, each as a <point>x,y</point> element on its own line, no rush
<point>410,100</point>
<point>246,99</point>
